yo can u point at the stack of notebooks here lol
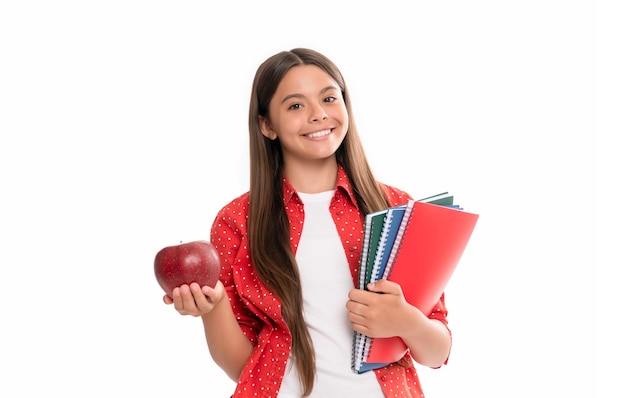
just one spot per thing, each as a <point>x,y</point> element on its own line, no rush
<point>417,245</point>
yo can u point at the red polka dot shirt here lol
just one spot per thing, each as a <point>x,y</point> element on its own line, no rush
<point>258,311</point>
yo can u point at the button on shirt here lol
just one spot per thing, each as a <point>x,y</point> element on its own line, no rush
<point>258,311</point>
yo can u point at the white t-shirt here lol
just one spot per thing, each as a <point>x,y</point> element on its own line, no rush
<point>326,281</point>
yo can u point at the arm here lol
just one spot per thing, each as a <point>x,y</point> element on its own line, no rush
<point>230,328</point>
<point>228,346</point>
<point>383,312</point>
<point>429,340</point>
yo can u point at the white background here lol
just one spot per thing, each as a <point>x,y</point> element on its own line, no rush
<point>124,130</point>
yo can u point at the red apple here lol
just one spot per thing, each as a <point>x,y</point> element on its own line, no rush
<point>185,263</point>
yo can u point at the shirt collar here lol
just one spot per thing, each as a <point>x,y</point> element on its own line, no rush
<point>342,187</point>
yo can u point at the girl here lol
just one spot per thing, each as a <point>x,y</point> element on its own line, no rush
<point>281,320</point>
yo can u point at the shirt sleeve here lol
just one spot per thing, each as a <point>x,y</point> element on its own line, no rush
<point>395,196</point>
<point>227,234</point>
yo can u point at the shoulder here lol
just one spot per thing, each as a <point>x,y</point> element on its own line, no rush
<point>235,212</point>
<point>396,196</point>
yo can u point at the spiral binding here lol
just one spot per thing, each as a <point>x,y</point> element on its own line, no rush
<point>380,249</point>
<point>399,238</point>
<point>358,338</point>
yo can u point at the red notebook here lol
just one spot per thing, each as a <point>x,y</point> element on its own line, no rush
<point>426,251</point>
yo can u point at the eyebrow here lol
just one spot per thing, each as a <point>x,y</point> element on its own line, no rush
<point>297,95</point>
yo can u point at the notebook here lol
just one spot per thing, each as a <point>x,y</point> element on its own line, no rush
<point>429,243</point>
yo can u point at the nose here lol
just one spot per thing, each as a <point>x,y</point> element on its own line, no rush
<point>318,114</point>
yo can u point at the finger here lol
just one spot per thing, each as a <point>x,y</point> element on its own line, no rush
<point>178,300</point>
<point>351,306</point>
<point>359,323</point>
<point>361,329</point>
<point>199,297</point>
<point>187,299</point>
<point>359,295</point>
<point>357,312</point>
<point>167,299</point>
<point>356,319</point>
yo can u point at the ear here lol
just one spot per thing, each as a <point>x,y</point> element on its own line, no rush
<point>266,128</point>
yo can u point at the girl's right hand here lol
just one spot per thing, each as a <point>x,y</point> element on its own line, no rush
<point>195,300</point>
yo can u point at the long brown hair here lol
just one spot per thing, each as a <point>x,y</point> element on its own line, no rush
<point>268,225</point>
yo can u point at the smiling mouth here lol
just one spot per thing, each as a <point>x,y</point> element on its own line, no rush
<point>318,134</point>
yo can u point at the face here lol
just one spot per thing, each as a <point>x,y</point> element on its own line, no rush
<point>307,115</point>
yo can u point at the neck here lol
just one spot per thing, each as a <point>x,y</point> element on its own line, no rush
<point>313,177</point>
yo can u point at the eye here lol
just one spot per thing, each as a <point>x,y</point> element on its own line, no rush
<point>330,99</point>
<point>295,106</point>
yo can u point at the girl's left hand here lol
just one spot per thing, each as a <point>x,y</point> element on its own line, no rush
<point>382,311</point>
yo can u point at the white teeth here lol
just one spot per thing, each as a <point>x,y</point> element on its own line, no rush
<point>318,134</point>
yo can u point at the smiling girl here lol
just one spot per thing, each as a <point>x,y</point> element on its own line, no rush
<point>280,321</point>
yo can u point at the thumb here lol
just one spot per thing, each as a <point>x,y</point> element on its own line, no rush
<point>384,286</point>
<point>214,293</point>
